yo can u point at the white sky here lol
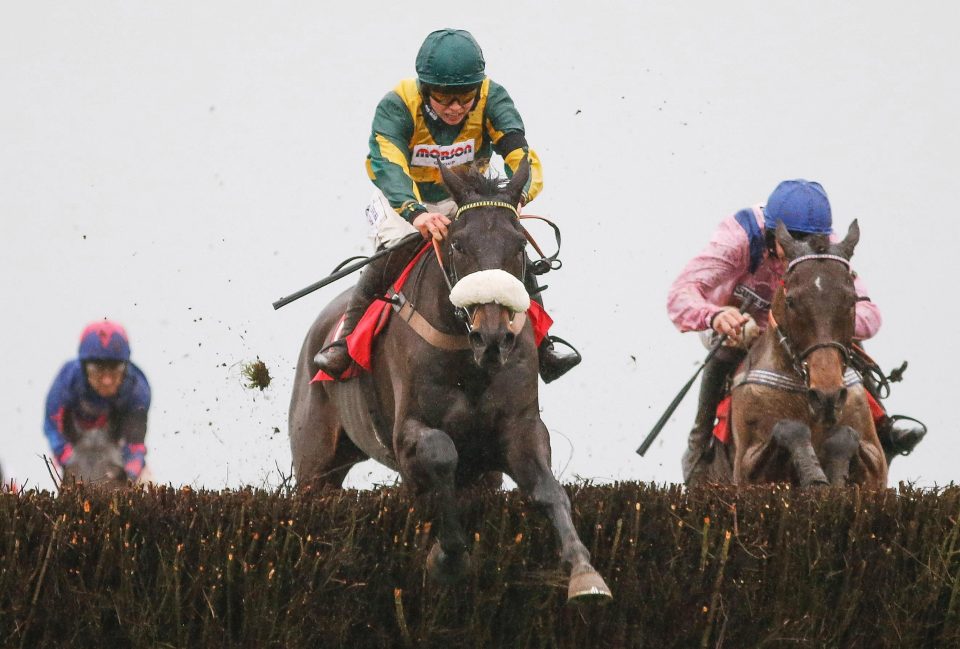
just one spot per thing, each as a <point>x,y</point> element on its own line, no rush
<point>178,166</point>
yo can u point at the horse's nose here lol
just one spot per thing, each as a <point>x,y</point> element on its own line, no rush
<point>826,405</point>
<point>491,349</point>
<point>490,337</point>
<point>475,338</point>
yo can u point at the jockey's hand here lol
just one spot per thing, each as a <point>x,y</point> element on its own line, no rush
<point>730,321</point>
<point>432,224</point>
<point>66,456</point>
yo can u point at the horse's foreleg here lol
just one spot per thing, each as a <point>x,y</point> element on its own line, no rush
<point>839,449</point>
<point>755,465</point>
<point>869,466</point>
<point>528,463</point>
<point>428,460</point>
<point>794,436</point>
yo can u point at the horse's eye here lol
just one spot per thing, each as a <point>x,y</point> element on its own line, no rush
<point>791,303</point>
<point>456,246</point>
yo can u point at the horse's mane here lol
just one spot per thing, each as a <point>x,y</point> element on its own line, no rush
<point>819,244</point>
<point>479,183</point>
<point>815,244</point>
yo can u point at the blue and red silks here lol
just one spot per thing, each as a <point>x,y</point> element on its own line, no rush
<point>360,341</point>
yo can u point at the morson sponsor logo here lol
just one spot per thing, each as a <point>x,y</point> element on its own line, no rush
<point>427,155</point>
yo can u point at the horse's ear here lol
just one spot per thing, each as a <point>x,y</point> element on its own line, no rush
<point>514,189</point>
<point>790,246</point>
<point>453,182</point>
<point>850,241</point>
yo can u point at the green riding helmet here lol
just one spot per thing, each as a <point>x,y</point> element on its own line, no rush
<point>450,57</point>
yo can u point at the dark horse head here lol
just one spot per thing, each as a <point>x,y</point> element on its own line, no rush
<point>97,460</point>
<point>484,257</point>
<point>815,311</point>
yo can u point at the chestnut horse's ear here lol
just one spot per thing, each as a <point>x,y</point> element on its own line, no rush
<point>791,247</point>
<point>514,189</point>
<point>453,182</point>
<point>850,241</point>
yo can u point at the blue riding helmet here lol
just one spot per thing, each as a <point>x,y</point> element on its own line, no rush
<point>802,205</point>
<point>104,341</point>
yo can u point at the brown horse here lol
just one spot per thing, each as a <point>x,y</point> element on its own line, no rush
<point>798,412</point>
<point>452,396</point>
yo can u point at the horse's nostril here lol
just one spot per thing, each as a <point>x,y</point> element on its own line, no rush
<point>475,338</point>
<point>509,339</point>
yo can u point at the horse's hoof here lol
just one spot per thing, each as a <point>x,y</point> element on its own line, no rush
<point>588,588</point>
<point>445,569</point>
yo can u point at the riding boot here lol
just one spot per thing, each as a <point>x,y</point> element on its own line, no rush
<point>899,438</point>
<point>376,278</point>
<point>713,387</point>
<point>553,362</point>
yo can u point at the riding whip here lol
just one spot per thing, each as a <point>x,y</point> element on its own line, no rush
<point>748,299</point>
<point>341,271</point>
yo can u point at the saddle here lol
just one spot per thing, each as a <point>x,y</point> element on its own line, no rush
<point>360,341</point>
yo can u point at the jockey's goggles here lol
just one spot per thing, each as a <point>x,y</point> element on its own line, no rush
<point>102,368</point>
<point>447,98</point>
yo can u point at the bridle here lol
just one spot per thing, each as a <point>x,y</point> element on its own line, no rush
<point>799,360</point>
<point>451,277</point>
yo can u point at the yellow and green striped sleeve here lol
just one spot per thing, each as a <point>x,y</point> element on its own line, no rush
<point>388,163</point>
<point>505,129</point>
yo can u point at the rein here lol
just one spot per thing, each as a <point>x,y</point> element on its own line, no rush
<point>799,360</point>
<point>451,277</point>
<point>773,379</point>
<point>430,333</point>
<point>545,264</point>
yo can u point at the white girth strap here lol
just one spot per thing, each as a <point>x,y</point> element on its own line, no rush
<point>772,379</point>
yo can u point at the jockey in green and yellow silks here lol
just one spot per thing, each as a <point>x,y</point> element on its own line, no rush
<point>451,114</point>
<point>409,137</point>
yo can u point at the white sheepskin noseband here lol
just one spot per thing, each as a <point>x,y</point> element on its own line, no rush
<point>486,286</point>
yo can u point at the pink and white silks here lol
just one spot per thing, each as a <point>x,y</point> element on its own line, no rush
<point>707,282</point>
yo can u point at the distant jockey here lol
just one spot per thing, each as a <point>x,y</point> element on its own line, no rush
<point>743,252</point>
<point>101,387</point>
<point>452,114</point>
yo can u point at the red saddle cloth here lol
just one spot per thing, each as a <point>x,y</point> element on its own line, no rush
<point>721,429</point>
<point>360,341</point>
